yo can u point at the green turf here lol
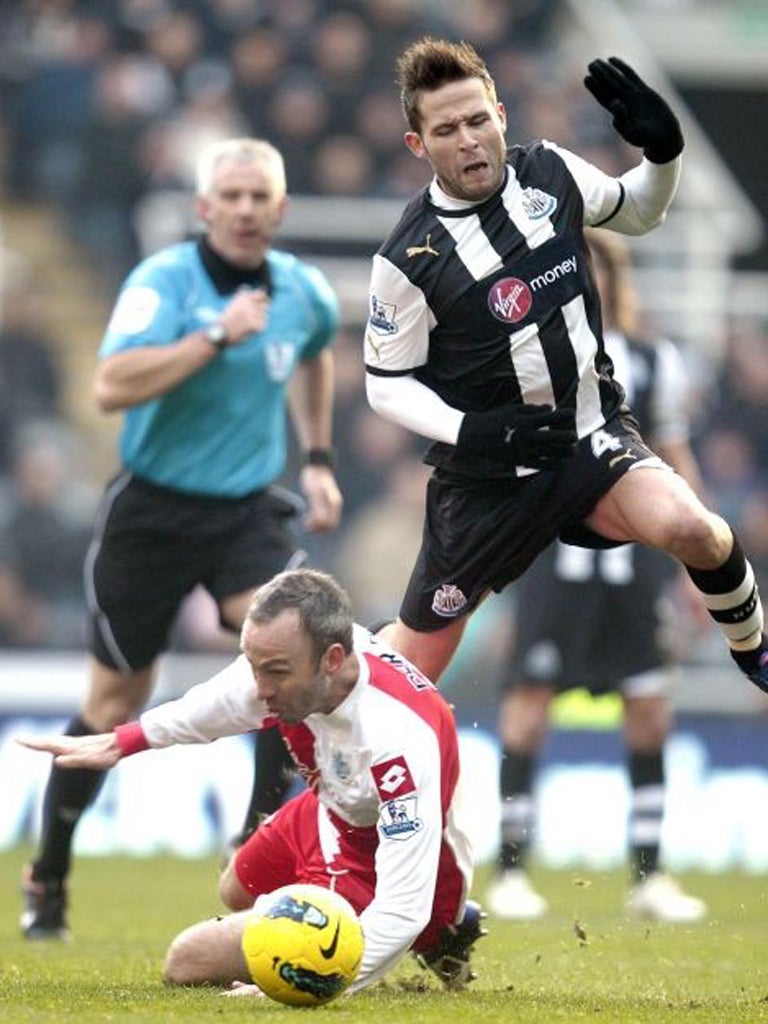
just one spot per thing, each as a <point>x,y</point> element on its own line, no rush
<point>125,911</point>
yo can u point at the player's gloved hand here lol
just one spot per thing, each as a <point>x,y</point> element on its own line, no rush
<point>640,115</point>
<point>536,436</point>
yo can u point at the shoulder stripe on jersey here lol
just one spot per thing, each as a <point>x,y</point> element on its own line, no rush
<point>615,210</point>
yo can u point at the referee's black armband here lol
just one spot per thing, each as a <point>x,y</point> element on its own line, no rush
<point>320,457</point>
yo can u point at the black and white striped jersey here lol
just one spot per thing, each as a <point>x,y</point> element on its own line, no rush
<point>655,380</point>
<point>485,303</point>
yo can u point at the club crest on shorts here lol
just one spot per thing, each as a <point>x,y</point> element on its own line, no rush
<point>448,601</point>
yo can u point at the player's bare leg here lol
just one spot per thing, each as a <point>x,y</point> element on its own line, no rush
<point>208,953</point>
<point>658,508</point>
<point>429,652</point>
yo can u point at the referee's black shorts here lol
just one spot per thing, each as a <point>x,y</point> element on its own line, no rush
<point>480,535</point>
<point>153,545</point>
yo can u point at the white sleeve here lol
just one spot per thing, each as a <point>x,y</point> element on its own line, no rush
<point>396,344</point>
<point>648,191</point>
<point>411,404</point>
<point>225,705</point>
<point>669,410</point>
<point>399,321</point>
<point>632,204</point>
<point>406,865</point>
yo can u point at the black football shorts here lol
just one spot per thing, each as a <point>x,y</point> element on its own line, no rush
<point>152,546</point>
<point>593,619</point>
<point>480,535</point>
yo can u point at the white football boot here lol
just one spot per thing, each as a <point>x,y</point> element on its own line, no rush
<point>660,898</point>
<point>512,897</point>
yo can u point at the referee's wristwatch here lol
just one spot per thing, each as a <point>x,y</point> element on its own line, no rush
<point>216,335</point>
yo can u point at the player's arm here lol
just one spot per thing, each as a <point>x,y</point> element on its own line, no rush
<point>411,404</point>
<point>632,204</point>
<point>638,200</point>
<point>310,397</point>
<point>225,705</point>
<point>407,860</point>
<point>99,752</point>
<point>397,343</point>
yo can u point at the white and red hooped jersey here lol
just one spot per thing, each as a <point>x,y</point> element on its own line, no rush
<point>385,768</point>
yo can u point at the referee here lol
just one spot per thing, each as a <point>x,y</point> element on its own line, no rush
<point>203,341</point>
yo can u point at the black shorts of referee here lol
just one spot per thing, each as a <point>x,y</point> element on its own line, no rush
<point>152,546</point>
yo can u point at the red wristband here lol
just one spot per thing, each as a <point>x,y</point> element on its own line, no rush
<point>130,738</point>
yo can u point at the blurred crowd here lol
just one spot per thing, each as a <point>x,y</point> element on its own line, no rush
<point>104,107</point>
<point>107,103</point>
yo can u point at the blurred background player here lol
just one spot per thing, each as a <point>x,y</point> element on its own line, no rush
<point>200,349</point>
<point>598,619</point>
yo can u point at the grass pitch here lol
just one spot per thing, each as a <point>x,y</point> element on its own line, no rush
<point>584,962</point>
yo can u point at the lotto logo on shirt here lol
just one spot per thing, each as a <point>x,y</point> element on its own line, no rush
<point>393,778</point>
<point>510,299</point>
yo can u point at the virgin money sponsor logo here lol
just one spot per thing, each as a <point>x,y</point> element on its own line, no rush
<point>554,274</point>
<point>509,300</point>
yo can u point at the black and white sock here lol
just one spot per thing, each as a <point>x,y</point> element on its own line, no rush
<point>646,776</point>
<point>731,595</point>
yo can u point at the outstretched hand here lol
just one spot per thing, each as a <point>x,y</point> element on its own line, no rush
<point>640,115</point>
<point>100,751</point>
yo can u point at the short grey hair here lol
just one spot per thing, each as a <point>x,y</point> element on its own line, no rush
<point>244,150</point>
<point>324,608</point>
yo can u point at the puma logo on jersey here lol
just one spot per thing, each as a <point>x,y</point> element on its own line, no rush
<point>421,250</point>
<point>369,340</point>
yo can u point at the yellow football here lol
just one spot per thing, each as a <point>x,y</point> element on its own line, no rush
<point>303,944</point>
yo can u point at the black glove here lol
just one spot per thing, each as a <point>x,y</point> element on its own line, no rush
<point>537,436</point>
<point>640,115</point>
